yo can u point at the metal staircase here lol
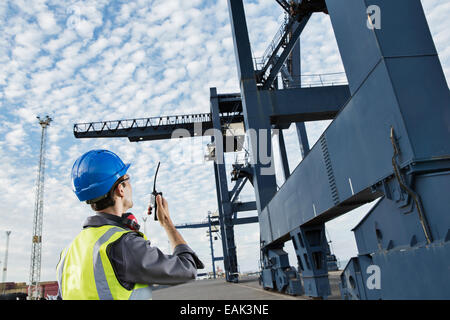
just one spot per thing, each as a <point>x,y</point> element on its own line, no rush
<point>274,57</point>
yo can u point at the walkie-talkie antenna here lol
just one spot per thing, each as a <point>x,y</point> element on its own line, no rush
<point>155,194</point>
<point>156,174</point>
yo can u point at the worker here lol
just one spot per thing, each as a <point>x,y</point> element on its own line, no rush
<point>110,258</point>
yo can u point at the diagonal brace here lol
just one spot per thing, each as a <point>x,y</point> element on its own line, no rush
<point>287,50</point>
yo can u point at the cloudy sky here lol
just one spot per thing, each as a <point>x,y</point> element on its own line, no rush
<point>82,61</point>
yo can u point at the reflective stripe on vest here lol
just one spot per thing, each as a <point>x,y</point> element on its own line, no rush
<point>85,271</point>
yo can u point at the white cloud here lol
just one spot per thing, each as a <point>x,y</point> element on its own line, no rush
<point>64,38</point>
<point>47,22</point>
<point>15,137</point>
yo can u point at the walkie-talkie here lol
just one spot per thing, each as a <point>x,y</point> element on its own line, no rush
<point>154,194</point>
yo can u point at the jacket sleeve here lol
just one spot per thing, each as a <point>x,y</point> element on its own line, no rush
<point>136,261</point>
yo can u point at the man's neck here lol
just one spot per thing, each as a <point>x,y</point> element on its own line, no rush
<point>116,210</point>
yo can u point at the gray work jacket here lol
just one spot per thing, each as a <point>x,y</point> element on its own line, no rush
<point>134,260</point>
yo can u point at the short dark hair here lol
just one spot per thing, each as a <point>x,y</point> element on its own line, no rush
<point>108,200</point>
<point>105,202</point>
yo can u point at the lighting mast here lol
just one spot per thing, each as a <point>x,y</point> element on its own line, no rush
<point>36,241</point>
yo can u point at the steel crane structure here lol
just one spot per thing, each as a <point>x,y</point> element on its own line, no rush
<point>388,140</point>
<point>36,240</point>
<point>211,223</point>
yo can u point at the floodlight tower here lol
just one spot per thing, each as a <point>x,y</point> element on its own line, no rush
<point>5,263</point>
<point>36,242</point>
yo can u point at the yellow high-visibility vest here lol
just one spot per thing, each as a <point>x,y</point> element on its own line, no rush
<point>84,271</point>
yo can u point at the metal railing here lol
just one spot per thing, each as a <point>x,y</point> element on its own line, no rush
<point>113,125</point>
<point>260,63</point>
<point>316,80</point>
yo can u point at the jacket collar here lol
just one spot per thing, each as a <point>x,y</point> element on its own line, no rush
<point>101,219</point>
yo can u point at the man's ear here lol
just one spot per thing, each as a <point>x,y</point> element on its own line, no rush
<point>120,192</point>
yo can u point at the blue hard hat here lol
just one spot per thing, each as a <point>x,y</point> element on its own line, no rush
<point>95,172</point>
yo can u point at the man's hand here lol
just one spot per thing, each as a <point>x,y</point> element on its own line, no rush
<point>163,212</point>
<point>175,237</point>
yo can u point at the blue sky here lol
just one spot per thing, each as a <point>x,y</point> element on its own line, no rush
<point>82,61</point>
